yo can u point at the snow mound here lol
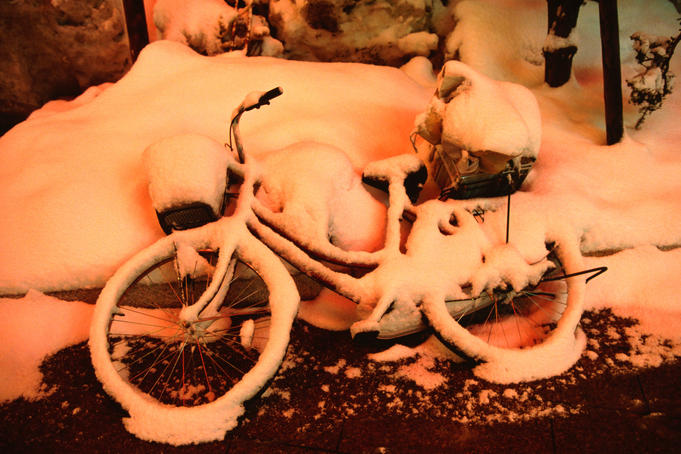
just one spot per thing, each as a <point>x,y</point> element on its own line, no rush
<point>313,186</point>
<point>488,37</point>
<point>197,24</point>
<point>36,325</point>
<point>75,201</point>
<point>184,169</point>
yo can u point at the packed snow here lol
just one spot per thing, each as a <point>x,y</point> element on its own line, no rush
<point>75,197</point>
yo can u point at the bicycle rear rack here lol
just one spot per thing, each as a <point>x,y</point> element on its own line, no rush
<point>457,186</point>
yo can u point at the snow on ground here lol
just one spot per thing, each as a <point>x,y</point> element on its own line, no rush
<point>643,283</point>
<point>31,328</point>
<point>406,382</point>
<point>75,202</point>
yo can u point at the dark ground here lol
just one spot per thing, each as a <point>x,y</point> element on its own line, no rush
<point>329,397</point>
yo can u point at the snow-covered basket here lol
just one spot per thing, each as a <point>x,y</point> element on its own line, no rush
<point>485,133</point>
<point>187,180</point>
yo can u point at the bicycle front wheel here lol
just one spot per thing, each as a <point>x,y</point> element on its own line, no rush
<point>519,335</point>
<point>185,382</point>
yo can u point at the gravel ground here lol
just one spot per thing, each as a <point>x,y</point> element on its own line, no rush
<point>329,396</point>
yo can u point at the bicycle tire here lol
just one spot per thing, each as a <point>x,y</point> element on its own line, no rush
<point>555,340</point>
<point>205,396</point>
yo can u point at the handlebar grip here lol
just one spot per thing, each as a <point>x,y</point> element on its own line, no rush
<point>269,95</point>
<point>255,100</point>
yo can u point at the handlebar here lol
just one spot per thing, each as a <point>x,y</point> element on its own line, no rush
<point>263,98</point>
<point>253,100</point>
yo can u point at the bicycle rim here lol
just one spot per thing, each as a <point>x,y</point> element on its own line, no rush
<point>519,331</point>
<point>184,364</point>
<point>186,382</point>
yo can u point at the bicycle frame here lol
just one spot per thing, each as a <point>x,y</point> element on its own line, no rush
<point>352,274</point>
<point>337,269</point>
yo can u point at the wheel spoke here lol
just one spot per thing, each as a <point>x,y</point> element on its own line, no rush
<point>129,364</point>
<point>543,308</point>
<point>184,383</point>
<point>146,371</point>
<point>501,324</point>
<point>132,322</point>
<point>217,365</point>
<point>227,363</point>
<point>515,319</point>
<point>234,346</point>
<point>147,314</point>
<point>203,363</point>
<point>177,359</point>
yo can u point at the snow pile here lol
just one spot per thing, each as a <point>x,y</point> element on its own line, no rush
<point>488,37</point>
<point>197,24</point>
<point>653,84</point>
<point>61,105</point>
<point>430,349</point>
<point>75,202</point>
<point>420,373</point>
<point>32,328</point>
<point>313,186</point>
<point>421,70</point>
<point>554,42</point>
<point>184,169</point>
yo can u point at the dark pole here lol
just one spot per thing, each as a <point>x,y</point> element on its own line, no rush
<point>136,23</point>
<point>562,19</point>
<point>612,77</point>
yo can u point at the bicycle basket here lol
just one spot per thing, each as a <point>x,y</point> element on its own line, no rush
<point>457,185</point>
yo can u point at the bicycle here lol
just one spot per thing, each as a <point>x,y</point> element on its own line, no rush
<point>197,323</point>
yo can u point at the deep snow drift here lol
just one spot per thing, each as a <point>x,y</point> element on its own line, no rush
<point>76,202</point>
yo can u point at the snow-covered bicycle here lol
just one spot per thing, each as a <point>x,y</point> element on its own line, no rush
<point>197,323</point>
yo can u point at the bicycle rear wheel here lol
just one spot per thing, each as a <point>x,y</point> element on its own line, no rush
<point>185,382</point>
<point>518,335</point>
